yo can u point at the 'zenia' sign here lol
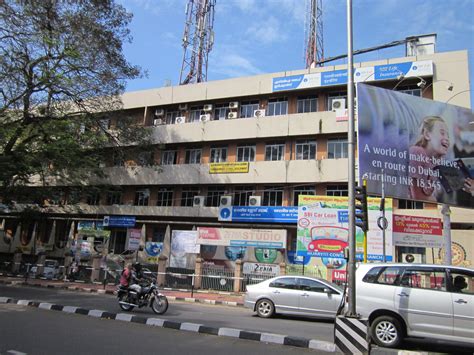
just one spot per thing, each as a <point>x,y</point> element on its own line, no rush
<point>260,238</point>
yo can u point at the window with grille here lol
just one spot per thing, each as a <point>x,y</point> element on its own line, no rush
<point>193,156</point>
<point>142,197</point>
<point>246,153</point>
<point>272,196</point>
<point>275,151</point>
<point>165,196</point>
<point>334,96</point>
<point>145,158</point>
<point>93,198</point>
<point>337,190</point>
<point>242,195</point>
<point>214,194</point>
<point>277,107</point>
<point>114,198</point>
<point>307,104</point>
<point>302,190</point>
<point>337,148</point>
<point>247,108</point>
<point>169,157</point>
<point>221,111</point>
<point>218,154</point>
<point>187,196</point>
<point>410,205</point>
<point>305,149</point>
<point>171,117</point>
<point>195,114</point>
<point>118,158</point>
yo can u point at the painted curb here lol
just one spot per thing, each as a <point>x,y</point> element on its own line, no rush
<point>184,326</point>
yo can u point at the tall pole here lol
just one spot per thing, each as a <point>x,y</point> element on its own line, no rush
<point>383,218</point>
<point>351,154</point>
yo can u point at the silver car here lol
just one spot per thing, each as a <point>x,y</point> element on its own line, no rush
<point>297,295</point>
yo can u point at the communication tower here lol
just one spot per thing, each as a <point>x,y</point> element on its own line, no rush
<point>314,44</point>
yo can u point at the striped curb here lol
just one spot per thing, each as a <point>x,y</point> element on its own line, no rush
<point>110,292</point>
<point>183,326</point>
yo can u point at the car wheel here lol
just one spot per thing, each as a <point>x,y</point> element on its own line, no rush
<point>265,308</point>
<point>386,331</point>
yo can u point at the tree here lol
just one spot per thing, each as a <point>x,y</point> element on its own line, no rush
<point>62,72</point>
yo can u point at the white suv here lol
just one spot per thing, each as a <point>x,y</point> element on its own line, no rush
<point>416,300</point>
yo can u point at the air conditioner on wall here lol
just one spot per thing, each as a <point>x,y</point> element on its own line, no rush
<point>225,201</point>
<point>338,104</point>
<point>232,115</point>
<point>412,258</point>
<point>259,113</point>
<point>255,200</point>
<point>183,107</point>
<point>180,119</point>
<point>157,122</point>
<point>205,118</point>
<point>207,108</point>
<point>234,104</point>
<point>198,201</point>
<point>159,112</point>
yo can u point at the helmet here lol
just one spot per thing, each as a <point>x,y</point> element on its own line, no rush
<point>137,266</point>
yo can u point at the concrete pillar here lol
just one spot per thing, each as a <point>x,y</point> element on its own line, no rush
<point>282,269</point>
<point>40,264</point>
<point>329,273</point>
<point>238,275</point>
<point>161,277</point>
<point>67,266</point>
<point>95,274</point>
<point>16,262</point>
<point>198,273</point>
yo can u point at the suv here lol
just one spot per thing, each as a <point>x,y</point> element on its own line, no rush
<point>416,300</point>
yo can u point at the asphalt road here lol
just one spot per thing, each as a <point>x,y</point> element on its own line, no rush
<point>28,330</point>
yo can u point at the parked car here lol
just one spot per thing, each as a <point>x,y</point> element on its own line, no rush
<point>297,295</point>
<point>50,270</point>
<point>416,300</point>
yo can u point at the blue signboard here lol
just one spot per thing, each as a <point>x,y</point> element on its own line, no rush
<point>119,221</point>
<point>337,77</point>
<point>266,214</point>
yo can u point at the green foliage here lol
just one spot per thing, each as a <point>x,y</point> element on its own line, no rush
<point>62,71</point>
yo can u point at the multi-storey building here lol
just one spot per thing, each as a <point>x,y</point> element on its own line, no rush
<point>292,139</point>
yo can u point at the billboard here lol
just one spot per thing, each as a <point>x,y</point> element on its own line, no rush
<point>253,214</point>
<point>421,149</point>
<point>259,238</point>
<point>418,232</point>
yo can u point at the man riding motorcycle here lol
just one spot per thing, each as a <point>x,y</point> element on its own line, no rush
<point>136,278</point>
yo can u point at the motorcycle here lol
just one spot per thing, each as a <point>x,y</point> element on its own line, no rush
<point>150,296</point>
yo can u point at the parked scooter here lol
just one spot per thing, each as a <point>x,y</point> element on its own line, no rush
<point>150,296</point>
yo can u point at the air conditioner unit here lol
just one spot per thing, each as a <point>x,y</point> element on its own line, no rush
<point>205,118</point>
<point>259,113</point>
<point>412,258</point>
<point>157,122</point>
<point>159,112</point>
<point>234,104</point>
<point>338,104</point>
<point>207,108</point>
<point>255,200</point>
<point>183,107</point>
<point>225,201</point>
<point>180,119</point>
<point>198,201</point>
<point>232,115</point>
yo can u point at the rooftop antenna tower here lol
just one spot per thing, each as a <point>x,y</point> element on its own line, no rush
<point>314,43</point>
<point>198,39</point>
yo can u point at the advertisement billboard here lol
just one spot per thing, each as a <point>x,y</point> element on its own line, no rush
<point>418,232</point>
<point>259,238</point>
<point>421,149</point>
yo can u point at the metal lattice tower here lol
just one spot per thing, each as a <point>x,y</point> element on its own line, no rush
<point>198,39</point>
<point>314,52</point>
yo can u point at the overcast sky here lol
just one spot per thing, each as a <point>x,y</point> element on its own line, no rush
<point>267,36</point>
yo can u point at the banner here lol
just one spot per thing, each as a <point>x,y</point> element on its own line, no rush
<point>259,238</point>
<point>228,168</point>
<point>261,214</point>
<point>413,231</point>
<point>134,237</point>
<point>420,149</point>
<point>183,243</point>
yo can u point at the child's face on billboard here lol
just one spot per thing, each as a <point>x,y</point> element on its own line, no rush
<point>438,139</point>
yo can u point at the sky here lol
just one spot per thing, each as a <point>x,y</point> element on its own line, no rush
<point>267,36</point>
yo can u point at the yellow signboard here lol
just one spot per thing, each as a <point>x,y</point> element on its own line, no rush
<point>228,168</point>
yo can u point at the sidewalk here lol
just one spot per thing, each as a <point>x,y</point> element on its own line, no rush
<point>201,296</point>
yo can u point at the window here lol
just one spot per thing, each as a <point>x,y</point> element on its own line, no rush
<point>142,197</point>
<point>195,114</point>
<point>218,154</point>
<point>410,90</point>
<point>93,198</point>
<point>221,111</point>
<point>275,151</point>
<point>305,149</point>
<point>307,104</point>
<point>246,153</point>
<point>114,198</point>
<point>337,190</point>
<point>389,276</point>
<point>462,281</point>
<point>247,108</point>
<point>169,157</point>
<point>193,156</point>
<point>187,196</point>
<point>334,96</point>
<point>242,194</point>
<point>171,117</point>
<point>302,190</point>
<point>285,282</point>
<point>117,241</point>
<point>104,123</point>
<point>337,148</point>
<point>214,194</point>
<point>410,205</point>
<point>311,285</point>
<point>118,159</point>
<point>272,196</point>
<point>277,107</point>
<point>145,158</point>
<point>165,196</point>
<point>426,278</point>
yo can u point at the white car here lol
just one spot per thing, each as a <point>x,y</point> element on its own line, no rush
<point>50,270</point>
<point>416,300</point>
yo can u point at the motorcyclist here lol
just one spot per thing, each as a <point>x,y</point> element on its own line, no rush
<point>137,277</point>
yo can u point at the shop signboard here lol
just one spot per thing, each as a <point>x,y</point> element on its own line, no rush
<point>258,268</point>
<point>134,237</point>
<point>417,232</point>
<point>422,150</point>
<point>229,168</point>
<point>119,221</point>
<point>259,214</point>
<point>259,238</point>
